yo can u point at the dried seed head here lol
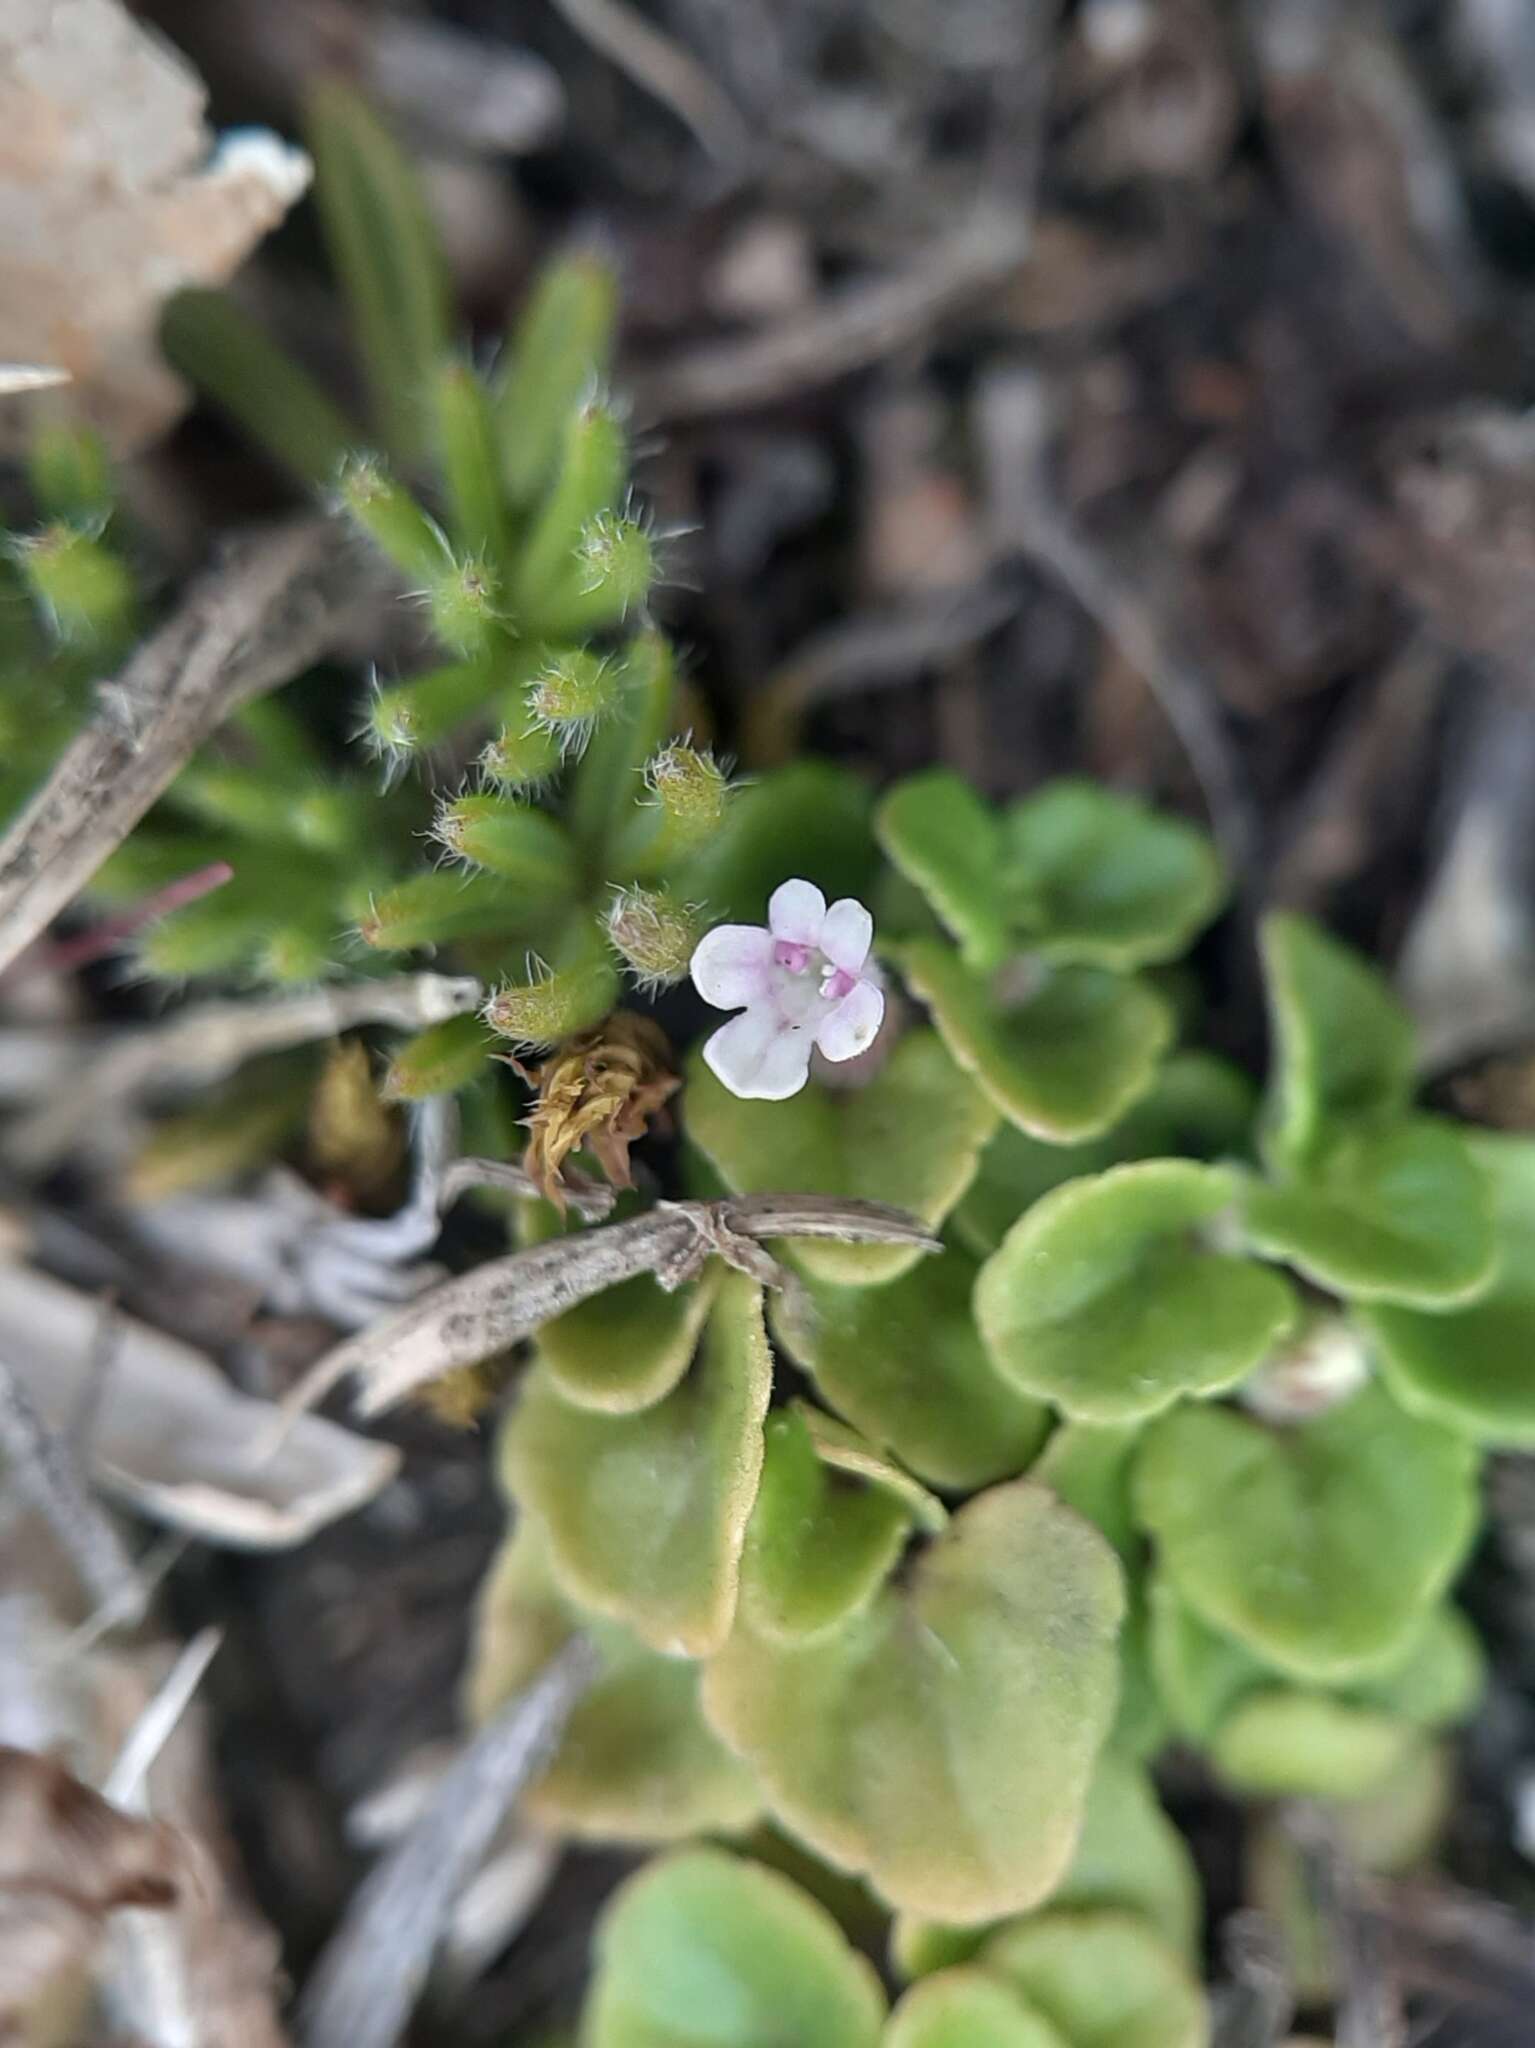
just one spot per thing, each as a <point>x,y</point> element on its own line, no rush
<point>600,1090</point>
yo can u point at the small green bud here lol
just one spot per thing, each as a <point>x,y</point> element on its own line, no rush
<point>688,795</point>
<point>291,956</point>
<point>571,696</point>
<point>392,519</point>
<point>406,718</point>
<point>511,839</point>
<point>463,599</point>
<point>552,1003</point>
<point>521,758</point>
<point>614,563</point>
<point>654,934</point>
<point>436,907</point>
<point>438,1060</point>
<point>83,589</point>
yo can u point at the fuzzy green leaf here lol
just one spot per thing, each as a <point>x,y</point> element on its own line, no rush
<point>1319,1547</point>
<point>905,1362</point>
<point>1284,1743</point>
<point>818,1547</point>
<point>1396,1211</point>
<point>1101,879</point>
<point>892,1744</point>
<point>1198,1107</point>
<point>1101,1300</point>
<point>705,1950</point>
<point>1343,1045</point>
<point>1103,1979</point>
<point>626,1348</point>
<point>1131,1857</point>
<point>645,1514</point>
<point>1200,1674</point>
<point>1474,1368</point>
<point>558,351</point>
<point>949,843</point>
<point>637,1762</point>
<point>967,2009</point>
<point>911,1137</point>
<point>1063,1062</point>
<point>1089,1465</point>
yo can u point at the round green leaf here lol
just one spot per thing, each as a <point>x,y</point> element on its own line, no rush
<point>645,1515</point>
<point>906,1364</point>
<point>967,2009</point>
<point>625,1348</point>
<point>911,1137</point>
<point>1284,1743</point>
<point>942,836</point>
<point>1474,1368</point>
<point>1200,1674</point>
<point>1387,1212</point>
<point>1198,1107</point>
<point>943,1739</point>
<point>1103,1979</point>
<point>1436,1681</point>
<point>1063,1061</point>
<point>1343,1044</point>
<point>1101,1300</point>
<point>849,1452</point>
<point>1131,1857</point>
<point>818,1547</point>
<point>1318,1547</point>
<point>637,1761</point>
<point>703,1950</point>
<point>1101,879</point>
<point>1089,1464</point>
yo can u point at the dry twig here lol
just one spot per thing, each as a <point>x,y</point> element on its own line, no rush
<point>368,1979</point>
<point>478,1314</point>
<point>275,601</point>
<point>666,71</point>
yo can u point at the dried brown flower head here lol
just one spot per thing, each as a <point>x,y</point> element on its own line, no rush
<point>599,1090</point>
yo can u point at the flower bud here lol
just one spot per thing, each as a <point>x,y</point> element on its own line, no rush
<point>554,1003</point>
<point>463,601</point>
<point>520,758</point>
<point>511,839</point>
<point>654,934</point>
<point>391,518</point>
<point>571,696</point>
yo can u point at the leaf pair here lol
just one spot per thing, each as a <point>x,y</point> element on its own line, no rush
<point>1054,905</point>
<point>719,1953</point>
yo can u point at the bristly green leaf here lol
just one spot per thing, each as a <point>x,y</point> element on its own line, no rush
<point>218,348</point>
<point>385,249</point>
<point>558,353</point>
<point>891,1744</point>
<point>705,1950</point>
<point>439,1060</point>
<point>1394,1211</point>
<point>645,1514</point>
<point>905,1362</point>
<point>1343,1045</point>
<point>1065,1057</point>
<point>1474,1368</point>
<point>1102,1300</point>
<point>911,1137</point>
<point>466,452</point>
<point>606,788</point>
<point>1319,1547</point>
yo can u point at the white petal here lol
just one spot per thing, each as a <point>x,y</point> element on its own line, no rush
<point>851,1027</point>
<point>847,934</point>
<point>796,912</point>
<point>732,965</point>
<point>759,1058</point>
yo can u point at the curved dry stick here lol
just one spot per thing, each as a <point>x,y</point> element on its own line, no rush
<point>477,1314</point>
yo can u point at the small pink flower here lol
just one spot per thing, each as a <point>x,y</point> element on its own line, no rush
<point>801,984</point>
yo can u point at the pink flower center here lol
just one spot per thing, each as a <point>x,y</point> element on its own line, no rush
<point>791,954</point>
<point>838,983</point>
